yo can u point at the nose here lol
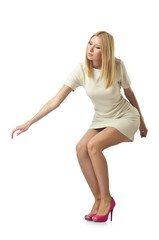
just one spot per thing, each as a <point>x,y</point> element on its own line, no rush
<point>91,48</point>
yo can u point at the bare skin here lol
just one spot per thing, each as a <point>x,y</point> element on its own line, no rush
<point>51,105</point>
<point>94,165</point>
<point>89,149</point>
<point>94,51</point>
<point>87,167</point>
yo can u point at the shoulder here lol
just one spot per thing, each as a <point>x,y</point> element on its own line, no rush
<point>78,71</point>
<point>79,67</point>
<point>82,66</point>
<point>118,62</point>
<point>120,66</point>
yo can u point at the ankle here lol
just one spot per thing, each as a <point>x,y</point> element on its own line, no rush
<point>97,198</point>
<point>106,199</point>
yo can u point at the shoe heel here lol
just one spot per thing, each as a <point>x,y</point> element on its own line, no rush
<point>111,215</point>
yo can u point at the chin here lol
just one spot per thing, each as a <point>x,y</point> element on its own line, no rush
<point>89,57</point>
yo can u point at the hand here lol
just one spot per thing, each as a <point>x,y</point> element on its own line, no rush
<point>22,129</point>
<point>143,128</point>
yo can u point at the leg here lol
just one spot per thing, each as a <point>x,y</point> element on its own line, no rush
<point>106,138</point>
<point>85,162</point>
<point>87,168</point>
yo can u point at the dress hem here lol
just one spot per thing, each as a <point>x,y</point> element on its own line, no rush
<point>129,139</point>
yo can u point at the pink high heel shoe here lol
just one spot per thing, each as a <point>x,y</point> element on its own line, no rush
<point>104,218</point>
<point>90,217</point>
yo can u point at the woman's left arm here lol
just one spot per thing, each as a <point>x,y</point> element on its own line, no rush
<point>132,99</point>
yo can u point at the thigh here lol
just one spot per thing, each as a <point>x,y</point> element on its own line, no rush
<point>87,136</point>
<point>107,138</point>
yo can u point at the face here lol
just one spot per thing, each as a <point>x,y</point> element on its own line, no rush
<point>94,49</point>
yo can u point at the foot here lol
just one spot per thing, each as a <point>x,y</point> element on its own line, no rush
<point>94,208</point>
<point>103,207</point>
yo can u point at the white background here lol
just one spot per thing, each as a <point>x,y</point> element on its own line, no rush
<point>43,192</point>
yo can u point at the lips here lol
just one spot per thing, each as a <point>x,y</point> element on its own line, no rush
<point>89,54</point>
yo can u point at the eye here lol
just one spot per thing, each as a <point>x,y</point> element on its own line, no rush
<point>89,43</point>
<point>98,47</point>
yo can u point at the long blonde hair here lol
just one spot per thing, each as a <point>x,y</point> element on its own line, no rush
<point>108,68</point>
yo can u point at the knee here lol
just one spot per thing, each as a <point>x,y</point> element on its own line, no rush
<point>81,149</point>
<point>93,147</point>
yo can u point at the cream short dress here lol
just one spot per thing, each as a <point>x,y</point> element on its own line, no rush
<point>111,108</point>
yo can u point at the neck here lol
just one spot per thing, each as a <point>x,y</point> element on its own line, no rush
<point>97,64</point>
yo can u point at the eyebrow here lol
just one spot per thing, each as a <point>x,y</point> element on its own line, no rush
<point>95,44</point>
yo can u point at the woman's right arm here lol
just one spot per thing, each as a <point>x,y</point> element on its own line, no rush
<point>47,108</point>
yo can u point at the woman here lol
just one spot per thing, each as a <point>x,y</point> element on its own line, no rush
<point>116,119</point>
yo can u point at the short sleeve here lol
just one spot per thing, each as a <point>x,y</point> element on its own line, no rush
<point>125,80</point>
<point>75,78</point>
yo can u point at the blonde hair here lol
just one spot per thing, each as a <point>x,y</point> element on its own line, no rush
<point>108,68</point>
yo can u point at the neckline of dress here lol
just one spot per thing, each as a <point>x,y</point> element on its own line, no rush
<point>96,69</point>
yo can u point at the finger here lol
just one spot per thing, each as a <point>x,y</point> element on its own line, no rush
<point>20,132</point>
<point>145,134</point>
<point>142,133</point>
<point>14,130</point>
<point>12,135</point>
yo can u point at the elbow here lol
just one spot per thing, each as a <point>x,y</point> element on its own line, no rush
<point>129,94</point>
<point>54,103</point>
<point>58,104</point>
<point>129,98</point>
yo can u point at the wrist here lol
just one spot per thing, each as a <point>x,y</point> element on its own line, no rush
<point>29,123</point>
<point>142,122</point>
